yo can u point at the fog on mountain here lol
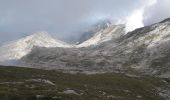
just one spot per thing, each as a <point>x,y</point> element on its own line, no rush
<point>89,50</point>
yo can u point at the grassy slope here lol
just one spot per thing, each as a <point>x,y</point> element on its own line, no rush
<point>14,85</point>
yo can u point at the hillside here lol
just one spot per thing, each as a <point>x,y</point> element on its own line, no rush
<point>104,34</point>
<point>145,51</point>
<point>18,83</point>
<point>19,48</point>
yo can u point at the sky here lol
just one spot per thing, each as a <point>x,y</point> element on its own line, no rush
<point>64,18</point>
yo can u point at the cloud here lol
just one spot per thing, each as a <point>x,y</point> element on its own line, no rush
<point>135,19</point>
<point>157,12</point>
<point>59,17</point>
<point>63,18</point>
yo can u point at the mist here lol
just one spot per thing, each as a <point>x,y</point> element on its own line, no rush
<point>61,18</point>
<point>65,18</point>
<point>157,12</point>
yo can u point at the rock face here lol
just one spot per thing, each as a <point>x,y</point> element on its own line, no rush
<point>145,50</point>
<point>19,48</point>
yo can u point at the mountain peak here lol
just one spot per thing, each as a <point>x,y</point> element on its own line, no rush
<point>108,33</point>
<point>19,48</point>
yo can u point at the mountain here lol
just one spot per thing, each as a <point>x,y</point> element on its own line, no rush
<point>107,33</point>
<point>89,32</point>
<point>135,64</point>
<point>100,25</point>
<point>99,33</point>
<point>19,48</point>
<point>145,50</point>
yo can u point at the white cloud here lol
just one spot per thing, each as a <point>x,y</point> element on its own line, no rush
<point>135,20</point>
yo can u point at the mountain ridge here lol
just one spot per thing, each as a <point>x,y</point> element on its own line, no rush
<point>18,48</point>
<point>144,50</point>
<point>122,49</point>
<point>106,34</point>
<point>103,31</point>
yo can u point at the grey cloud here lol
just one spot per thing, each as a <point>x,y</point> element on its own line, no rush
<point>157,12</point>
<point>60,17</point>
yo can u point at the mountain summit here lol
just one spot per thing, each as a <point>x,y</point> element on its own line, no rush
<point>19,48</point>
<point>106,33</point>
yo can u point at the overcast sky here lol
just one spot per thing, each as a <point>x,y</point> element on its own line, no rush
<point>62,18</point>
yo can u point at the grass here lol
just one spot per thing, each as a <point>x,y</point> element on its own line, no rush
<point>17,84</point>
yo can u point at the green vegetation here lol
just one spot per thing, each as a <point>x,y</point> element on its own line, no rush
<point>34,84</point>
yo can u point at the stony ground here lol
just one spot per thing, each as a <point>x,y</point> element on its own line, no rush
<point>18,83</point>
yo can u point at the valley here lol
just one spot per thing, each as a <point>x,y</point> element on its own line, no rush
<point>110,65</point>
<point>18,83</point>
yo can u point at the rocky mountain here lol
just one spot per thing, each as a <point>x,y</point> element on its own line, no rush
<point>100,32</point>
<point>89,32</point>
<point>19,48</point>
<point>144,50</point>
<point>105,34</point>
<point>97,27</point>
<point>140,59</point>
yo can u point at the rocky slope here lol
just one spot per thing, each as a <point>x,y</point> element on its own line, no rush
<point>21,47</point>
<point>145,50</point>
<point>104,34</point>
<point>90,31</point>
